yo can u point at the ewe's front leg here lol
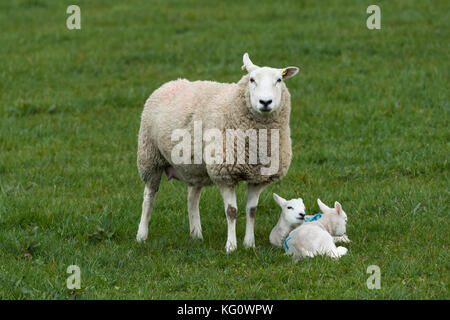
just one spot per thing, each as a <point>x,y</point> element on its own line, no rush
<point>253,192</point>
<point>194,214</point>
<point>229,202</point>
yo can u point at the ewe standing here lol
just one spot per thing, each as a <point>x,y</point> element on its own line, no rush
<point>256,109</point>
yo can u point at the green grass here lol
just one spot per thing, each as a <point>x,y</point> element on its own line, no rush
<point>369,125</point>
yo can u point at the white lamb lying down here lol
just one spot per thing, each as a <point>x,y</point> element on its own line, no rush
<point>316,237</point>
<point>292,215</point>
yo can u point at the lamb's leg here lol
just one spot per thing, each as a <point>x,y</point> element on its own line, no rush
<point>253,192</point>
<point>151,188</point>
<point>336,252</point>
<point>194,214</point>
<point>229,201</point>
<point>341,251</point>
<point>344,238</point>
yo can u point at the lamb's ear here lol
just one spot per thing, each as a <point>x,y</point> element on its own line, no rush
<point>323,207</point>
<point>338,207</point>
<point>281,202</point>
<point>289,72</point>
<point>248,64</point>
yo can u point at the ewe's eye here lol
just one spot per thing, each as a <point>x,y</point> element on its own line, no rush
<point>290,208</point>
<point>252,80</point>
<point>279,80</point>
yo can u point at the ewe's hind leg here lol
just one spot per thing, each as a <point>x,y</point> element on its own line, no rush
<point>229,202</point>
<point>151,188</point>
<point>253,192</point>
<point>194,214</point>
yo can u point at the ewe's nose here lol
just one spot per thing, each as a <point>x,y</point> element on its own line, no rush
<point>265,103</point>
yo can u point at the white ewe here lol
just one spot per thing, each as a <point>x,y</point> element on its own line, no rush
<point>259,102</point>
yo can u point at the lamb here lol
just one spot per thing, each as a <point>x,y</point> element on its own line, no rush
<point>259,102</point>
<point>316,237</point>
<point>292,215</point>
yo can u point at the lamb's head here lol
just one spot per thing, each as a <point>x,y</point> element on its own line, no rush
<point>337,218</point>
<point>265,85</point>
<point>292,211</point>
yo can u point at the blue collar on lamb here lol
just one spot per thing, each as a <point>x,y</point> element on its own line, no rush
<point>285,244</point>
<point>315,217</point>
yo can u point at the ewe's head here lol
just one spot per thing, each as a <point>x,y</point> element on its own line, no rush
<point>265,85</point>
<point>337,216</point>
<point>292,211</point>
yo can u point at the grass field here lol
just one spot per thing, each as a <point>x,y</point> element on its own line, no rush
<point>369,125</point>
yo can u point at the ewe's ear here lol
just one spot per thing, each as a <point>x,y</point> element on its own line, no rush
<point>338,207</point>
<point>289,72</point>
<point>281,202</point>
<point>248,64</point>
<point>323,207</point>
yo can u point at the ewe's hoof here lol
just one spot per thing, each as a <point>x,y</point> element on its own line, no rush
<point>141,236</point>
<point>230,247</point>
<point>196,234</point>
<point>249,243</point>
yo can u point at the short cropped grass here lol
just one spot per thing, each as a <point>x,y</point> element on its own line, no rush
<point>369,126</point>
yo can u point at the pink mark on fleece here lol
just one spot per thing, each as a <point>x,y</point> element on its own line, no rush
<point>171,88</point>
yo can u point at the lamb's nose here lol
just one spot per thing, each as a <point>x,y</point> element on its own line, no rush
<point>265,103</point>
<point>302,215</point>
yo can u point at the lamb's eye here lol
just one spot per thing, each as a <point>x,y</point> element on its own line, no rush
<point>290,208</point>
<point>279,80</point>
<point>252,80</point>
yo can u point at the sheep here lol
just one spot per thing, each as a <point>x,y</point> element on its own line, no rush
<point>316,237</point>
<point>259,102</point>
<point>292,215</point>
